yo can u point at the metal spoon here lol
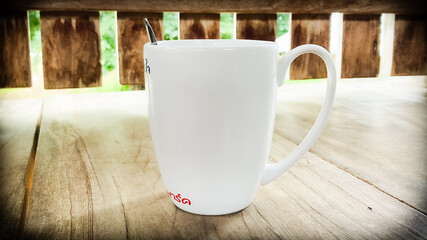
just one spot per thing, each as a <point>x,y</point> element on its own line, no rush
<point>151,36</point>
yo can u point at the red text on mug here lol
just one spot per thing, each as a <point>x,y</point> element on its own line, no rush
<point>179,199</point>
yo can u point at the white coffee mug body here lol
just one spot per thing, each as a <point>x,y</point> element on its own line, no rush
<point>211,111</point>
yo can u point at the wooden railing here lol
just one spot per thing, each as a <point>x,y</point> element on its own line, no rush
<point>71,36</point>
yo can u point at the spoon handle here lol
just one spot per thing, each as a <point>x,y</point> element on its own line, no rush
<point>150,32</point>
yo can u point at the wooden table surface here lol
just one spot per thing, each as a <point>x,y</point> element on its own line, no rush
<point>82,166</point>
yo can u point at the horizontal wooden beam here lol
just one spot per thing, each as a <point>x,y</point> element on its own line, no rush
<point>239,6</point>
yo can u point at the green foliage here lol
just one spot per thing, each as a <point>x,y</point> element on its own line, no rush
<point>35,39</point>
<point>170,25</point>
<point>34,17</point>
<point>226,26</point>
<point>282,24</point>
<point>108,41</point>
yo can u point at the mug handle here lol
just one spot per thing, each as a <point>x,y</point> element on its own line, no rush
<point>273,171</point>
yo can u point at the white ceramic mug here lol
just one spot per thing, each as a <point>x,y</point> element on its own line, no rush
<point>211,111</point>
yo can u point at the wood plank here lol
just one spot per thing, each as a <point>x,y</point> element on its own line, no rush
<point>18,120</point>
<point>71,49</point>
<point>199,26</point>
<point>330,203</point>
<point>248,6</point>
<point>256,26</point>
<point>15,67</point>
<point>360,50</point>
<point>309,29</point>
<point>96,157</point>
<point>410,49</point>
<point>85,164</point>
<point>372,132</point>
<point>131,38</point>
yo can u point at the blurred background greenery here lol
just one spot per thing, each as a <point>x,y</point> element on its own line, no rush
<point>226,26</point>
<point>282,24</point>
<point>35,38</point>
<point>108,41</point>
<point>109,59</point>
<point>170,25</point>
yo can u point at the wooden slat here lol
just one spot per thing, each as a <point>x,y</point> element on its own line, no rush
<point>18,120</point>
<point>71,49</point>
<point>410,45</point>
<point>15,67</point>
<point>93,183</point>
<point>256,26</point>
<point>360,50</point>
<point>248,6</point>
<point>199,26</point>
<point>366,131</point>
<point>132,36</point>
<point>313,29</point>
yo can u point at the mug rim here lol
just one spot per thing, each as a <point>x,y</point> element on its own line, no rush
<point>213,43</point>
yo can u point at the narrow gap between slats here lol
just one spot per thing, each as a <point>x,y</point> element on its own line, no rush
<point>28,178</point>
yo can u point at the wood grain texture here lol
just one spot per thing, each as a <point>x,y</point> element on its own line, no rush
<point>256,26</point>
<point>71,49</point>
<point>15,67</point>
<point>132,36</point>
<point>410,48</point>
<point>377,131</point>
<point>247,6</point>
<point>309,29</point>
<point>84,188</point>
<point>199,26</point>
<point>97,177</point>
<point>18,120</point>
<point>360,50</point>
